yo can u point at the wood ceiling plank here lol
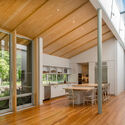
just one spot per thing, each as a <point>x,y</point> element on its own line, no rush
<point>47,15</point>
<point>87,46</point>
<point>76,44</point>
<point>21,41</point>
<point>93,45</point>
<point>5,35</point>
<point>67,33</point>
<point>68,39</point>
<point>13,12</point>
<point>71,36</point>
<point>2,35</point>
<point>80,16</point>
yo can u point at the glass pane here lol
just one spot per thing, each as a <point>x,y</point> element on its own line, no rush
<point>24,100</point>
<point>24,70</point>
<point>121,5</point>
<point>44,78</point>
<point>4,71</point>
<point>4,104</point>
<point>49,77</point>
<point>60,78</point>
<point>54,77</point>
<point>65,77</point>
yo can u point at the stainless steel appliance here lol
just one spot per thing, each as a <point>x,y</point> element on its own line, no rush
<point>47,92</point>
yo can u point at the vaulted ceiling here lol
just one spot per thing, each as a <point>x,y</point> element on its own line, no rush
<point>68,27</point>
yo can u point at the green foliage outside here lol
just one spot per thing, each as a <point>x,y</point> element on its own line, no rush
<point>56,78</point>
<point>5,69</point>
<point>4,65</point>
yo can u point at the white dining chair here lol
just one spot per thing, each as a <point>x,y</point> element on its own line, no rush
<point>91,96</point>
<point>70,95</point>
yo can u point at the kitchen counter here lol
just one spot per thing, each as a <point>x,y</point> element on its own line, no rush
<point>59,84</point>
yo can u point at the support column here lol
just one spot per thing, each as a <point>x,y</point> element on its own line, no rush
<point>13,67</point>
<point>99,53</point>
<point>35,71</point>
<point>41,88</point>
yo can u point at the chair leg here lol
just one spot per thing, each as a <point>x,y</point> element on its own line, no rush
<point>73,102</point>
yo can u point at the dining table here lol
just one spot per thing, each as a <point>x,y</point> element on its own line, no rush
<point>80,90</point>
<point>89,85</point>
<point>79,93</point>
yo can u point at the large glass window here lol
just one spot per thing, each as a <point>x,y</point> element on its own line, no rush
<point>54,78</point>
<point>24,71</point>
<point>121,5</point>
<point>5,101</point>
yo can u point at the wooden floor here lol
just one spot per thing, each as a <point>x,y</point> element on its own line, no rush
<point>58,112</point>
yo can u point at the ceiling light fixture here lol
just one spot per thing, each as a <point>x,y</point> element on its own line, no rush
<point>73,21</point>
<point>57,10</point>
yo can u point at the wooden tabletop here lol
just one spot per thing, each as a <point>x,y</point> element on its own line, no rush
<point>88,85</point>
<point>80,88</point>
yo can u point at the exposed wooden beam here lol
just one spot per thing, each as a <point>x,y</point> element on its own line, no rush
<point>14,97</point>
<point>8,32</point>
<point>35,71</point>
<point>74,40</point>
<point>68,32</point>
<point>95,44</point>
<point>3,37</point>
<point>23,37</point>
<point>39,34</point>
<point>87,45</point>
<point>82,44</point>
<point>30,14</point>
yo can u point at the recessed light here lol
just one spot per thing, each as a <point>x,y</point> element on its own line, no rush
<point>57,10</point>
<point>73,21</point>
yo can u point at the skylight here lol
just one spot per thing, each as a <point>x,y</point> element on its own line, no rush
<point>121,5</point>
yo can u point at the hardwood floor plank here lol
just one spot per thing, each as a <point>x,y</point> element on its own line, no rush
<point>59,112</point>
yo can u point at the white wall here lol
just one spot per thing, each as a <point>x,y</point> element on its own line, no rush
<point>112,17</point>
<point>108,55</point>
<point>112,53</point>
<point>55,61</point>
<point>120,69</point>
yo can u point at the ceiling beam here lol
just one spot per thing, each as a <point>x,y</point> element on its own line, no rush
<point>75,40</point>
<point>39,34</point>
<point>90,47</point>
<point>3,37</point>
<point>69,31</point>
<point>30,15</point>
<point>82,44</point>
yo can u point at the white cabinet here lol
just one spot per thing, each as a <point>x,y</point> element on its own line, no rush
<point>54,91</point>
<point>57,90</point>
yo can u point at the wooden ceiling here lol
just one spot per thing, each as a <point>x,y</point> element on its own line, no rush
<point>68,27</point>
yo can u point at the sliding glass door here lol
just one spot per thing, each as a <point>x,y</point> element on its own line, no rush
<point>5,84</point>
<point>24,72</point>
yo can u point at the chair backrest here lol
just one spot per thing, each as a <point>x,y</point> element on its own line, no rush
<point>69,92</point>
<point>93,92</point>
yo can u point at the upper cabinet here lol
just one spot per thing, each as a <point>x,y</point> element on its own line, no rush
<point>56,70</point>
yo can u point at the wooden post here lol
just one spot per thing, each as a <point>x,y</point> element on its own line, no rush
<point>35,72</point>
<point>13,67</point>
<point>99,53</point>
